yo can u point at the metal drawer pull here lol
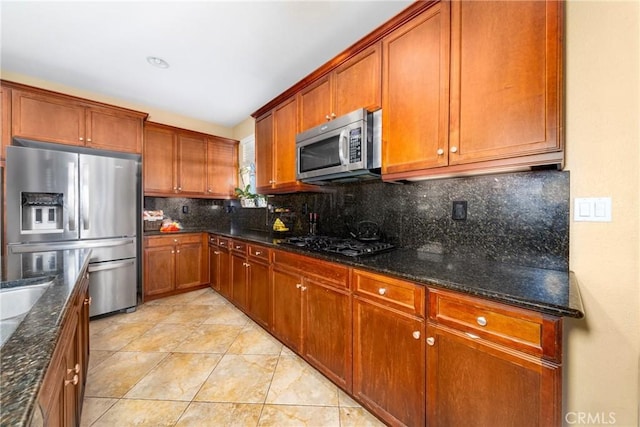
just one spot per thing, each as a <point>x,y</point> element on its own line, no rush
<point>87,301</point>
<point>74,381</point>
<point>299,285</point>
<point>216,253</point>
<point>416,334</point>
<point>258,252</point>
<point>382,291</point>
<point>431,340</point>
<point>238,246</point>
<point>472,336</point>
<point>482,321</point>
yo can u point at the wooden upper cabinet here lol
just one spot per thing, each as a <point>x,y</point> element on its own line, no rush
<point>264,153</point>
<point>505,79</point>
<point>192,164</point>
<point>222,167</point>
<point>49,117</point>
<point>415,93</point>
<point>177,162</point>
<point>159,159</point>
<point>276,150</point>
<point>354,84</point>
<point>108,129</point>
<point>5,120</point>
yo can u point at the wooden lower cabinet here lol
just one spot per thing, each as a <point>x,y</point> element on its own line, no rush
<point>287,308</point>
<point>389,362</point>
<point>259,292</point>
<point>239,280</point>
<point>473,379</point>
<point>174,263</point>
<point>62,392</point>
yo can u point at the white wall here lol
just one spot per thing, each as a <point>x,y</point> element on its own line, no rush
<point>603,155</point>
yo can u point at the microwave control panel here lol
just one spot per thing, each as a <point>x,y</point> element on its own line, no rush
<point>355,145</point>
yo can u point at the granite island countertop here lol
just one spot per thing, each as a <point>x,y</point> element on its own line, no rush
<point>548,291</point>
<point>25,356</point>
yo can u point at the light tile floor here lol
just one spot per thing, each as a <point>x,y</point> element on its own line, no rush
<point>195,360</point>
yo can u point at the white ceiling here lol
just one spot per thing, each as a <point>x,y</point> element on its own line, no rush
<point>227,58</point>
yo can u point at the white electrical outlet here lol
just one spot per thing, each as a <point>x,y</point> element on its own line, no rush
<point>592,209</point>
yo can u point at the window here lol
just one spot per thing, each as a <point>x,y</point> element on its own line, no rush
<point>247,166</point>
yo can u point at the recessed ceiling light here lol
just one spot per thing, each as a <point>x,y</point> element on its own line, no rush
<point>157,62</point>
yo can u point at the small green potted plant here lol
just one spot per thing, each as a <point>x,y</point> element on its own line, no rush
<point>247,198</point>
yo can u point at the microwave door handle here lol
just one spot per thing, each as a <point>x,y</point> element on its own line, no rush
<point>341,146</point>
<point>85,199</point>
<point>72,185</point>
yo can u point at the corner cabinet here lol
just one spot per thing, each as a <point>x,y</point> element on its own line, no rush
<point>494,364</point>
<point>181,163</point>
<point>62,392</point>
<point>47,116</point>
<point>276,150</point>
<point>174,263</point>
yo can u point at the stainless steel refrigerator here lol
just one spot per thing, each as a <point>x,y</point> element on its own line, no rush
<point>59,200</point>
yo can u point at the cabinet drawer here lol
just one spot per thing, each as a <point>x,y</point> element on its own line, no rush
<point>396,293</point>
<point>155,241</point>
<point>223,242</point>
<point>258,252</point>
<point>524,330</point>
<point>329,272</point>
<point>239,247</point>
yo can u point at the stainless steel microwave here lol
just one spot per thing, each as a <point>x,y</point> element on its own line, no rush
<point>345,149</point>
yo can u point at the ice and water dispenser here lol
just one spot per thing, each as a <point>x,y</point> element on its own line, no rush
<point>42,213</point>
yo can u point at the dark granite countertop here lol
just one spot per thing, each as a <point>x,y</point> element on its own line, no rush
<point>25,356</point>
<point>547,291</point>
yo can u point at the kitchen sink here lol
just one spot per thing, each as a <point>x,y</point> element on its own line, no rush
<point>15,303</point>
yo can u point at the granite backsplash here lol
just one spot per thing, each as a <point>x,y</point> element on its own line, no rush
<point>518,218</point>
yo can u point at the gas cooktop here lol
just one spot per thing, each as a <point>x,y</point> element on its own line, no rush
<point>337,245</point>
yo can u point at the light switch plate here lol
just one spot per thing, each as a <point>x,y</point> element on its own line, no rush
<point>592,209</point>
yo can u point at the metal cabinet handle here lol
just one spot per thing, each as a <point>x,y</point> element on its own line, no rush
<point>258,252</point>
<point>416,334</point>
<point>173,252</point>
<point>454,149</point>
<point>482,321</point>
<point>299,285</point>
<point>333,115</point>
<point>88,139</point>
<point>175,240</point>
<point>238,246</point>
<point>246,264</point>
<point>440,151</point>
<point>88,301</point>
<point>431,340</point>
<point>327,117</point>
<point>178,251</point>
<point>382,291</point>
<point>472,336</point>
<point>81,139</point>
<point>74,381</point>
<point>216,253</point>
<point>179,188</point>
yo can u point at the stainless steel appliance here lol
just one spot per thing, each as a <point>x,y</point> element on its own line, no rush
<point>341,246</point>
<point>60,200</point>
<point>345,149</point>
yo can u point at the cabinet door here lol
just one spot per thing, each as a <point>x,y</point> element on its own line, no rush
<point>239,280</point>
<point>357,83</point>
<point>109,129</point>
<point>285,118</point>
<point>5,120</point>
<point>315,104</point>
<point>188,265</point>
<point>192,164</point>
<point>264,153</point>
<point>415,95</point>
<point>471,379</point>
<point>225,273</point>
<point>505,79</point>
<point>389,363</point>
<point>159,270</point>
<point>222,167</point>
<point>214,267</point>
<point>327,331</point>
<point>259,293</point>
<point>287,308</point>
<point>158,160</point>
<point>72,383</point>
<point>47,118</point>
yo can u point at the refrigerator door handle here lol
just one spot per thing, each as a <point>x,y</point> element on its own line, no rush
<point>72,184</point>
<point>53,246</point>
<point>110,265</point>
<point>85,199</point>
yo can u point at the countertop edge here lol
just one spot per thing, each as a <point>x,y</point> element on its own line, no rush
<point>575,309</point>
